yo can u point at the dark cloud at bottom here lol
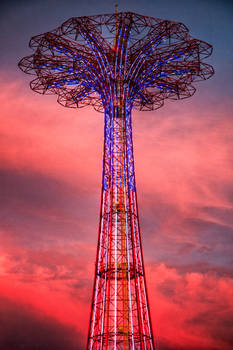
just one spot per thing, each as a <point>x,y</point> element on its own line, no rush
<point>22,328</point>
<point>165,346</point>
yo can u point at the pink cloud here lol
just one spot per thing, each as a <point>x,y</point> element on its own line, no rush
<point>40,135</point>
<point>51,299</point>
<point>191,310</point>
<point>186,155</point>
<point>183,171</point>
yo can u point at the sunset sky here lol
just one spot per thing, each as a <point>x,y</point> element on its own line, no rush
<point>50,182</point>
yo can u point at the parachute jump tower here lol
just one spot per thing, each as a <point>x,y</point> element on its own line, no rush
<point>115,62</point>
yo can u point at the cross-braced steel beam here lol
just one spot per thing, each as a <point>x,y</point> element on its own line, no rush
<point>116,62</point>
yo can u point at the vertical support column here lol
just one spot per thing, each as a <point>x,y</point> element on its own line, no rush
<point>120,317</point>
<point>144,319</point>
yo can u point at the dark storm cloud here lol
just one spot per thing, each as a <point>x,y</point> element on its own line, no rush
<point>167,288</point>
<point>30,189</point>
<point>154,204</point>
<point>33,204</point>
<point>163,345</point>
<point>212,226</point>
<point>24,328</point>
<point>218,324</point>
<point>200,244</point>
<point>210,232</point>
<point>203,267</point>
<point>223,214</point>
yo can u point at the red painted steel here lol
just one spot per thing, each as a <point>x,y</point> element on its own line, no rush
<point>115,62</point>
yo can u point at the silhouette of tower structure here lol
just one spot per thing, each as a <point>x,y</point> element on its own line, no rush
<point>115,62</point>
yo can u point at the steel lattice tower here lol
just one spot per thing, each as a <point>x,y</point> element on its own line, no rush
<point>116,62</point>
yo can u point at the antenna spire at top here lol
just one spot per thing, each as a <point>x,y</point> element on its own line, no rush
<point>117,24</point>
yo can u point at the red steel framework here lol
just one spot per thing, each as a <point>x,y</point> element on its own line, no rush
<point>116,62</point>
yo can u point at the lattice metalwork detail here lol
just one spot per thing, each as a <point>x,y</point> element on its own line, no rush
<point>115,62</point>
